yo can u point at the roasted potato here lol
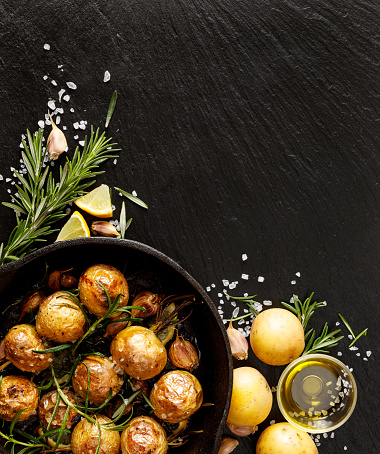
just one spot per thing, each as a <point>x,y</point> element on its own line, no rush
<point>176,396</point>
<point>144,436</point>
<point>139,352</point>
<point>85,437</point>
<point>47,405</point>
<point>19,344</point>
<point>92,294</point>
<point>60,319</point>
<point>18,393</point>
<point>103,378</point>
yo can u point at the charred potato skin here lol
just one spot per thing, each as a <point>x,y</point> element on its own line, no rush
<point>144,436</point>
<point>47,405</point>
<point>17,393</point>
<point>19,344</point>
<point>139,352</point>
<point>103,377</point>
<point>91,293</point>
<point>60,319</point>
<point>85,437</point>
<point>176,396</point>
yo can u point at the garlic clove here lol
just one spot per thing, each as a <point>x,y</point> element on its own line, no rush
<point>56,143</point>
<point>32,302</point>
<point>183,354</point>
<point>242,431</point>
<point>238,343</point>
<point>227,445</point>
<point>147,300</point>
<point>104,228</point>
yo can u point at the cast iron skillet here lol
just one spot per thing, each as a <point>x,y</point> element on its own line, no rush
<point>215,370</point>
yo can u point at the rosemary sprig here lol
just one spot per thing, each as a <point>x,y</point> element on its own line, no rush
<point>355,338</point>
<point>248,300</point>
<point>323,342</point>
<point>304,310</point>
<point>40,200</point>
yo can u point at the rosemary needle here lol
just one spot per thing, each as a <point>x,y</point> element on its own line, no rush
<point>111,108</point>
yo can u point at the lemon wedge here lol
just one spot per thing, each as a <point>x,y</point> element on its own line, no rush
<point>97,202</point>
<point>75,227</point>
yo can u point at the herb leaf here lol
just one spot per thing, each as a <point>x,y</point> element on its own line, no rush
<point>132,197</point>
<point>123,221</point>
<point>111,108</point>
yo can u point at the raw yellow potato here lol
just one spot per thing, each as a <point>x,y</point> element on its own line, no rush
<point>251,400</point>
<point>97,202</point>
<point>283,438</point>
<point>75,227</point>
<point>277,337</point>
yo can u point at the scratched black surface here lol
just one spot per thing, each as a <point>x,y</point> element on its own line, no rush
<point>248,127</point>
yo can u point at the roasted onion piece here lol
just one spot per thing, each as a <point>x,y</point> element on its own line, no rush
<point>85,437</point>
<point>103,378</point>
<point>149,301</point>
<point>176,396</point>
<point>17,393</point>
<point>61,279</point>
<point>60,319</point>
<point>19,344</point>
<point>92,294</point>
<point>139,352</point>
<point>144,436</point>
<point>47,405</point>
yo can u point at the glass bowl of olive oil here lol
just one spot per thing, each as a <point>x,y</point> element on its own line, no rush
<point>316,393</point>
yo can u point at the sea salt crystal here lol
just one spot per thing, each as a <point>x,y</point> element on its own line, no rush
<point>66,98</point>
<point>208,289</point>
<point>44,77</point>
<point>339,353</point>
<point>220,295</point>
<point>267,303</point>
<point>1,178</point>
<point>235,312</point>
<point>293,282</point>
<point>41,124</point>
<point>260,279</point>
<point>53,82</point>
<point>368,353</point>
<point>76,125</point>
<point>134,193</point>
<point>337,323</point>
<point>233,304</point>
<point>107,76</point>
<point>76,137</point>
<point>225,282</point>
<point>272,422</point>
<point>298,274</point>
<point>58,120</point>
<point>232,286</point>
<point>51,105</point>
<point>71,85</point>
<point>59,110</point>
<point>47,46</point>
<point>81,143</point>
<point>244,257</point>
<point>7,180</point>
<point>64,128</point>
<point>213,285</point>
<point>221,302</point>
<point>245,276</point>
<point>82,126</point>
<point>115,161</point>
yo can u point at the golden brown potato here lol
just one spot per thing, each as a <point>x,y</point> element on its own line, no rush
<point>144,436</point>
<point>17,393</point>
<point>91,293</point>
<point>19,344</point>
<point>60,319</point>
<point>139,352</point>
<point>85,437</point>
<point>277,337</point>
<point>176,396</point>
<point>47,405</point>
<point>103,377</point>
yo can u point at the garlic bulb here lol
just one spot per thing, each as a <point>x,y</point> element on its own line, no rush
<point>104,228</point>
<point>56,143</point>
<point>238,343</point>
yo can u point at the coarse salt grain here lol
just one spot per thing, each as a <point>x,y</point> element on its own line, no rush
<point>71,85</point>
<point>244,257</point>
<point>66,98</point>
<point>53,82</point>
<point>44,77</point>
<point>232,286</point>
<point>368,353</point>
<point>115,161</point>
<point>235,312</point>
<point>298,274</point>
<point>293,282</point>
<point>245,276</point>
<point>272,422</point>
<point>107,76</point>
<point>225,282</point>
<point>213,285</point>
<point>51,105</point>
<point>339,353</point>
<point>1,178</point>
<point>134,193</point>
<point>76,125</point>
<point>41,124</point>
<point>260,279</point>
<point>267,303</point>
<point>208,289</point>
<point>81,143</point>
<point>47,46</point>
<point>58,120</point>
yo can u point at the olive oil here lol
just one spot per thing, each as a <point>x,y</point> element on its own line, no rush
<point>315,394</point>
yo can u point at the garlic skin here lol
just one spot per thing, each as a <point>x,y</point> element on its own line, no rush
<point>104,228</point>
<point>227,445</point>
<point>242,431</point>
<point>56,143</point>
<point>238,343</point>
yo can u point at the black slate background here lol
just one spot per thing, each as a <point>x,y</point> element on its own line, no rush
<point>247,127</point>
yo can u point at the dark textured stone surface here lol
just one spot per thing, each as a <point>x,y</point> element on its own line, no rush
<point>248,127</point>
